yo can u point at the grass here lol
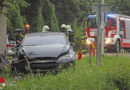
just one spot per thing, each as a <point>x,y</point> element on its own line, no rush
<point>112,74</point>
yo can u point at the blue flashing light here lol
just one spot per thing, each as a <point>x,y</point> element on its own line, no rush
<point>90,16</point>
<point>110,15</point>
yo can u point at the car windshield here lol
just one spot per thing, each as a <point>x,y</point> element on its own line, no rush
<point>44,40</point>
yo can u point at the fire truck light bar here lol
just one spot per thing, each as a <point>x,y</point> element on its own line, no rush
<point>110,15</point>
<point>91,16</point>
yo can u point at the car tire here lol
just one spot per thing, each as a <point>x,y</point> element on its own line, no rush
<point>18,69</point>
<point>15,70</point>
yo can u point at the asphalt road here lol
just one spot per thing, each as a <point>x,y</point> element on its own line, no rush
<point>118,54</point>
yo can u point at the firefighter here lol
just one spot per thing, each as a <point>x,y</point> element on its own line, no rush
<point>19,38</point>
<point>63,28</point>
<point>27,28</point>
<point>70,34</point>
<point>45,28</point>
<point>83,41</point>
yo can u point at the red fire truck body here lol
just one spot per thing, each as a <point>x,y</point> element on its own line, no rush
<point>117,31</point>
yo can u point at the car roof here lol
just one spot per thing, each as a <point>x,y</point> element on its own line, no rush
<point>18,30</point>
<point>46,33</point>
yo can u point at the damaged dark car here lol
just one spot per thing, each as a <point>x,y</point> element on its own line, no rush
<point>43,52</point>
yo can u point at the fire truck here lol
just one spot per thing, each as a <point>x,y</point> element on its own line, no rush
<point>117,31</point>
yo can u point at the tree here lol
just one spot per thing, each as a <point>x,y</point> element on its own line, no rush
<point>15,19</point>
<point>66,10</point>
<point>50,15</point>
<point>39,13</point>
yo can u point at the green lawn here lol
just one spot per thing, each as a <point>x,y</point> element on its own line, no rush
<point>112,74</point>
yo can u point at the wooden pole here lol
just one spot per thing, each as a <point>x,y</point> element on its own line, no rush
<point>98,57</point>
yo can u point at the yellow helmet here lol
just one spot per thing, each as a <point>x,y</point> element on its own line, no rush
<point>68,28</point>
<point>45,28</point>
<point>63,26</point>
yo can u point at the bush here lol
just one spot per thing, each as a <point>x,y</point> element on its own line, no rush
<point>120,76</point>
<point>78,31</point>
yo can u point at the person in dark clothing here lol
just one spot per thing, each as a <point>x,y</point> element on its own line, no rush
<point>70,34</point>
<point>19,39</point>
<point>63,29</point>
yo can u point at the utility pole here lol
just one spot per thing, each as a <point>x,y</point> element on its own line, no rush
<point>102,1</point>
<point>97,8</point>
<point>98,14</point>
<point>100,9</point>
<point>102,30</point>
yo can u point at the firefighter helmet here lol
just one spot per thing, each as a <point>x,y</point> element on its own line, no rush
<point>63,26</point>
<point>45,28</point>
<point>68,28</point>
<point>27,26</point>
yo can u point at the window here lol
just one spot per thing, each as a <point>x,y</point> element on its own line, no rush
<point>113,22</point>
<point>121,28</point>
<point>107,21</point>
<point>92,23</point>
<point>121,25</point>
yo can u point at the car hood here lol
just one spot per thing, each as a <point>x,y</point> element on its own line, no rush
<point>45,50</point>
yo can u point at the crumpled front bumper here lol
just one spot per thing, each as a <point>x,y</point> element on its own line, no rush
<point>49,65</point>
<point>43,64</point>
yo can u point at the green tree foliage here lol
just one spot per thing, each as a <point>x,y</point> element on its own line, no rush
<point>49,15</point>
<point>15,19</point>
<point>119,6</point>
<point>85,9</point>
<point>39,13</point>
<point>33,14</point>
<point>39,17</point>
<point>78,30</point>
<point>1,6</point>
<point>66,10</point>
